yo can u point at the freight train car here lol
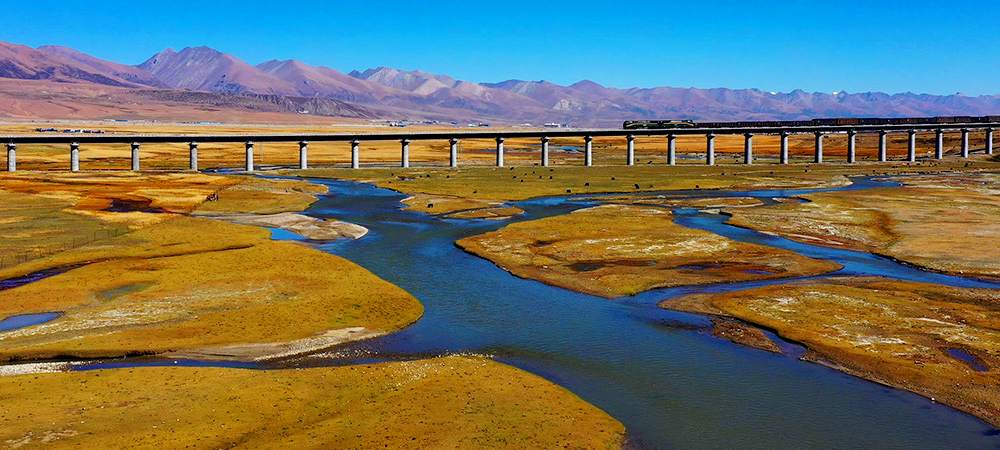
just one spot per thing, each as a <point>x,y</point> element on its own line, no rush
<point>842,121</point>
<point>656,124</point>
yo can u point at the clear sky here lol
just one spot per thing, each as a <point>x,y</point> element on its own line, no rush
<point>938,47</point>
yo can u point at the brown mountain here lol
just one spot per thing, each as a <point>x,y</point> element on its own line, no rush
<point>206,69</point>
<point>400,94</point>
<point>312,81</point>
<point>131,74</point>
<point>25,63</point>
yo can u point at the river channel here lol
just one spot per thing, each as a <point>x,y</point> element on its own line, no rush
<point>672,384</point>
<point>659,372</point>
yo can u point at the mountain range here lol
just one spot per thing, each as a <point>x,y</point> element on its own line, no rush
<point>205,78</point>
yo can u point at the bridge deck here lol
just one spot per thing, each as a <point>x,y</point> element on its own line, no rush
<point>459,134</point>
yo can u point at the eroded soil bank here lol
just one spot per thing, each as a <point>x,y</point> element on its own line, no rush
<point>938,341</point>
<point>945,222</point>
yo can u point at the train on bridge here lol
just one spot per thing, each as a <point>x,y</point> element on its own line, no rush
<point>665,124</point>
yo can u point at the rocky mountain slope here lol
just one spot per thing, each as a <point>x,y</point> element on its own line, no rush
<point>400,94</point>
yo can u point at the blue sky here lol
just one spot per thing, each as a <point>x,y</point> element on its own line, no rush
<point>938,47</point>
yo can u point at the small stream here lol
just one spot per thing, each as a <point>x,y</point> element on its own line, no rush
<point>657,371</point>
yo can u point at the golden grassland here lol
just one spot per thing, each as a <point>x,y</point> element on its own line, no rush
<point>494,213</point>
<point>617,250</point>
<point>894,332</point>
<point>473,152</point>
<point>47,213</point>
<point>193,283</point>
<point>455,207</point>
<point>520,183</point>
<point>194,287</point>
<point>172,282</point>
<point>707,203</point>
<point>453,402</point>
<point>943,222</point>
<point>33,226</point>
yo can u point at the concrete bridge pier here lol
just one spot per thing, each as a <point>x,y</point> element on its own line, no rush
<point>74,157</point>
<point>135,156</point>
<point>355,154</point>
<point>12,157</point>
<point>851,153</point>
<point>630,150</point>
<point>193,158</point>
<point>500,151</point>
<point>819,148</point>
<point>989,141</point>
<point>453,152</point>
<point>249,158</point>
<point>911,152</point>
<point>882,153</point>
<point>965,142</point>
<point>710,151</point>
<point>588,156</point>
<point>939,144</point>
<point>303,155</point>
<point>671,149</point>
<point>404,159</point>
<point>545,151</point>
<point>784,148</point>
<point>748,148</point>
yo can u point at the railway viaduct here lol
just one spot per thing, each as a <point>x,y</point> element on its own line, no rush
<point>454,137</point>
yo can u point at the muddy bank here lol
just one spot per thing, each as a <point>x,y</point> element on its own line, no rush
<point>303,225</point>
<point>743,334</point>
<point>276,350</point>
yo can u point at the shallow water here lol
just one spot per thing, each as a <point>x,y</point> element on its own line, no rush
<point>12,283</point>
<point>670,384</point>
<point>127,363</point>
<point>26,320</point>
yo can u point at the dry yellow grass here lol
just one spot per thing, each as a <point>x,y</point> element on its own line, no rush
<point>898,333</point>
<point>520,183</point>
<point>259,196</point>
<point>443,204</point>
<point>193,283</point>
<point>455,402</point>
<point>617,250</point>
<point>196,287</point>
<point>454,207</point>
<point>47,213</point>
<point>172,192</point>
<point>944,222</point>
<point>33,226</point>
<point>174,282</point>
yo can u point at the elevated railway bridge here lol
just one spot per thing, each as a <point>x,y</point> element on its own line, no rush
<point>135,141</point>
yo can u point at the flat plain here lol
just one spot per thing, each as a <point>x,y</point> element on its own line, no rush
<point>179,265</point>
